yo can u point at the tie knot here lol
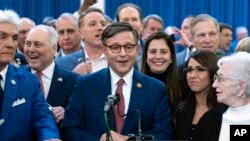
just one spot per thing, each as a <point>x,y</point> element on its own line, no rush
<point>39,74</point>
<point>120,82</point>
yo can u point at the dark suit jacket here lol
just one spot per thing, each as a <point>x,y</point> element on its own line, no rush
<point>61,87</point>
<point>208,128</point>
<point>70,61</point>
<point>84,116</point>
<point>28,115</point>
<point>180,57</point>
<point>20,59</point>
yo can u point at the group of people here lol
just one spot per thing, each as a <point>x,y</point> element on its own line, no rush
<point>67,74</point>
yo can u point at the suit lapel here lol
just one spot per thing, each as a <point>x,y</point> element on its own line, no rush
<point>105,90</point>
<point>136,94</point>
<point>11,92</point>
<point>56,86</point>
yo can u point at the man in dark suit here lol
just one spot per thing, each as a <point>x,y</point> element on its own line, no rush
<point>39,50</point>
<point>84,116</point>
<point>23,110</point>
<point>25,25</point>
<point>91,58</point>
<point>131,13</point>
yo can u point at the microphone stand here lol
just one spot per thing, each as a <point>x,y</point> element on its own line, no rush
<point>107,121</point>
<point>140,136</point>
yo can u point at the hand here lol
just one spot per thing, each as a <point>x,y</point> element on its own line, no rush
<point>86,4</point>
<point>90,2</point>
<point>184,41</point>
<point>115,136</point>
<point>83,67</point>
<point>58,113</point>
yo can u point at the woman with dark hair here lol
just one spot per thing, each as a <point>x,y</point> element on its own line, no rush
<point>159,61</point>
<point>199,93</point>
<point>232,84</point>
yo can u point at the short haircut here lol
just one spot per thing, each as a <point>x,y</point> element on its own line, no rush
<point>89,10</point>
<point>202,18</point>
<point>9,16</point>
<point>118,27</point>
<point>30,21</point>
<point>152,16</point>
<point>225,26</point>
<point>68,16</point>
<point>53,36</point>
<point>128,5</point>
<point>243,45</point>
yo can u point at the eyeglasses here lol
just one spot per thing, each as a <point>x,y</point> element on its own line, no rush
<point>196,69</point>
<point>117,48</point>
<point>221,78</point>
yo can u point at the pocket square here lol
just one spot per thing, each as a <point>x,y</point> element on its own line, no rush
<point>1,121</point>
<point>18,102</point>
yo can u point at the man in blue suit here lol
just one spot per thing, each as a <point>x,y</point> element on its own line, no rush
<point>39,50</point>
<point>84,116</point>
<point>23,110</point>
<point>90,59</point>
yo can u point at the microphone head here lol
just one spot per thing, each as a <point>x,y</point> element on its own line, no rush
<point>117,97</point>
<point>111,101</point>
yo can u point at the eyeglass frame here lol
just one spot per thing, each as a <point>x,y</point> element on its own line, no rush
<point>222,79</point>
<point>197,69</point>
<point>120,47</point>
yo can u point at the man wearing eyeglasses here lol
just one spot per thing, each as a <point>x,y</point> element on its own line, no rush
<point>84,117</point>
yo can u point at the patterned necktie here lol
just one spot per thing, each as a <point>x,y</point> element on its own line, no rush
<point>120,107</point>
<point>1,94</point>
<point>39,75</point>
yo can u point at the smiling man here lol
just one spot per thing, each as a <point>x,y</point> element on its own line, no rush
<point>24,114</point>
<point>82,123</point>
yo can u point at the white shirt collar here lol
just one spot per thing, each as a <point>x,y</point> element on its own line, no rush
<point>4,72</point>
<point>48,72</point>
<point>127,78</point>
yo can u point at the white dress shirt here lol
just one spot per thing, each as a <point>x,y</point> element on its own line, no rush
<point>47,78</point>
<point>126,88</point>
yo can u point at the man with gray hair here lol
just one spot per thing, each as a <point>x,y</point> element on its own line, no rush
<point>205,32</point>
<point>152,23</point>
<point>69,37</point>
<point>24,114</point>
<point>25,25</point>
<point>241,32</point>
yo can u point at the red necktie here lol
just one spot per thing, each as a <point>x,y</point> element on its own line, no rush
<point>120,107</point>
<point>39,75</point>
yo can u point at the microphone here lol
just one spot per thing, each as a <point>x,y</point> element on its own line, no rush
<point>140,137</point>
<point>111,101</point>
